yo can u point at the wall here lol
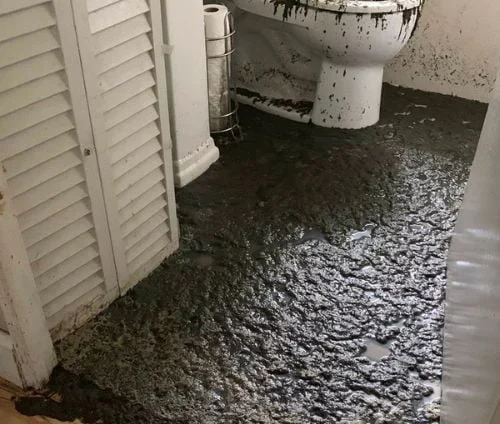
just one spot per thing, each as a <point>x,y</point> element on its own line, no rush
<point>471,381</point>
<point>454,51</point>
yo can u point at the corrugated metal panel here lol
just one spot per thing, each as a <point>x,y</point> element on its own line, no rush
<point>41,153</point>
<point>120,65</point>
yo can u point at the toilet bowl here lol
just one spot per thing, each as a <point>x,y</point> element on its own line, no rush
<point>352,40</point>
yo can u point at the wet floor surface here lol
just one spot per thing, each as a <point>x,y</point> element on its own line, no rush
<point>309,286</point>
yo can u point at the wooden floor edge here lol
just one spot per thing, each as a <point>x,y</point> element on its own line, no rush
<point>8,412</point>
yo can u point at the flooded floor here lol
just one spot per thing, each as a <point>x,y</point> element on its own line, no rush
<point>309,286</point>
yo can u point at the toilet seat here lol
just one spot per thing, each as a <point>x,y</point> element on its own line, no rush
<point>361,6</point>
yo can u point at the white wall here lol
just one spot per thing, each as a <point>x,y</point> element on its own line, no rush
<point>454,51</point>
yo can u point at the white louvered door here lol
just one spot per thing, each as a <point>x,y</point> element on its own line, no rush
<point>87,206</point>
<point>123,65</point>
<point>47,152</point>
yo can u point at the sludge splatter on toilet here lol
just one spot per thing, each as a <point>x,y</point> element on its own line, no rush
<point>309,287</point>
<point>347,42</point>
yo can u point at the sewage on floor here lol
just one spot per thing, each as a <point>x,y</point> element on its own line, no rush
<point>376,350</point>
<point>259,328</point>
<point>436,391</point>
<point>312,235</point>
<point>361,235</point>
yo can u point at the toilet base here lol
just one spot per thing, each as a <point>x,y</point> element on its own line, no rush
<point>279,107</point>
<point>347,96</point>
<point>190,167</point>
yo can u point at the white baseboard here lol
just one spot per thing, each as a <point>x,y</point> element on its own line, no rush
<point>196,163</point>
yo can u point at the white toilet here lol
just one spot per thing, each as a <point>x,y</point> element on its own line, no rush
<point>342,44</point>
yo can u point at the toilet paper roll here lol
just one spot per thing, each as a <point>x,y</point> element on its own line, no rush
<point>217,26</point>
